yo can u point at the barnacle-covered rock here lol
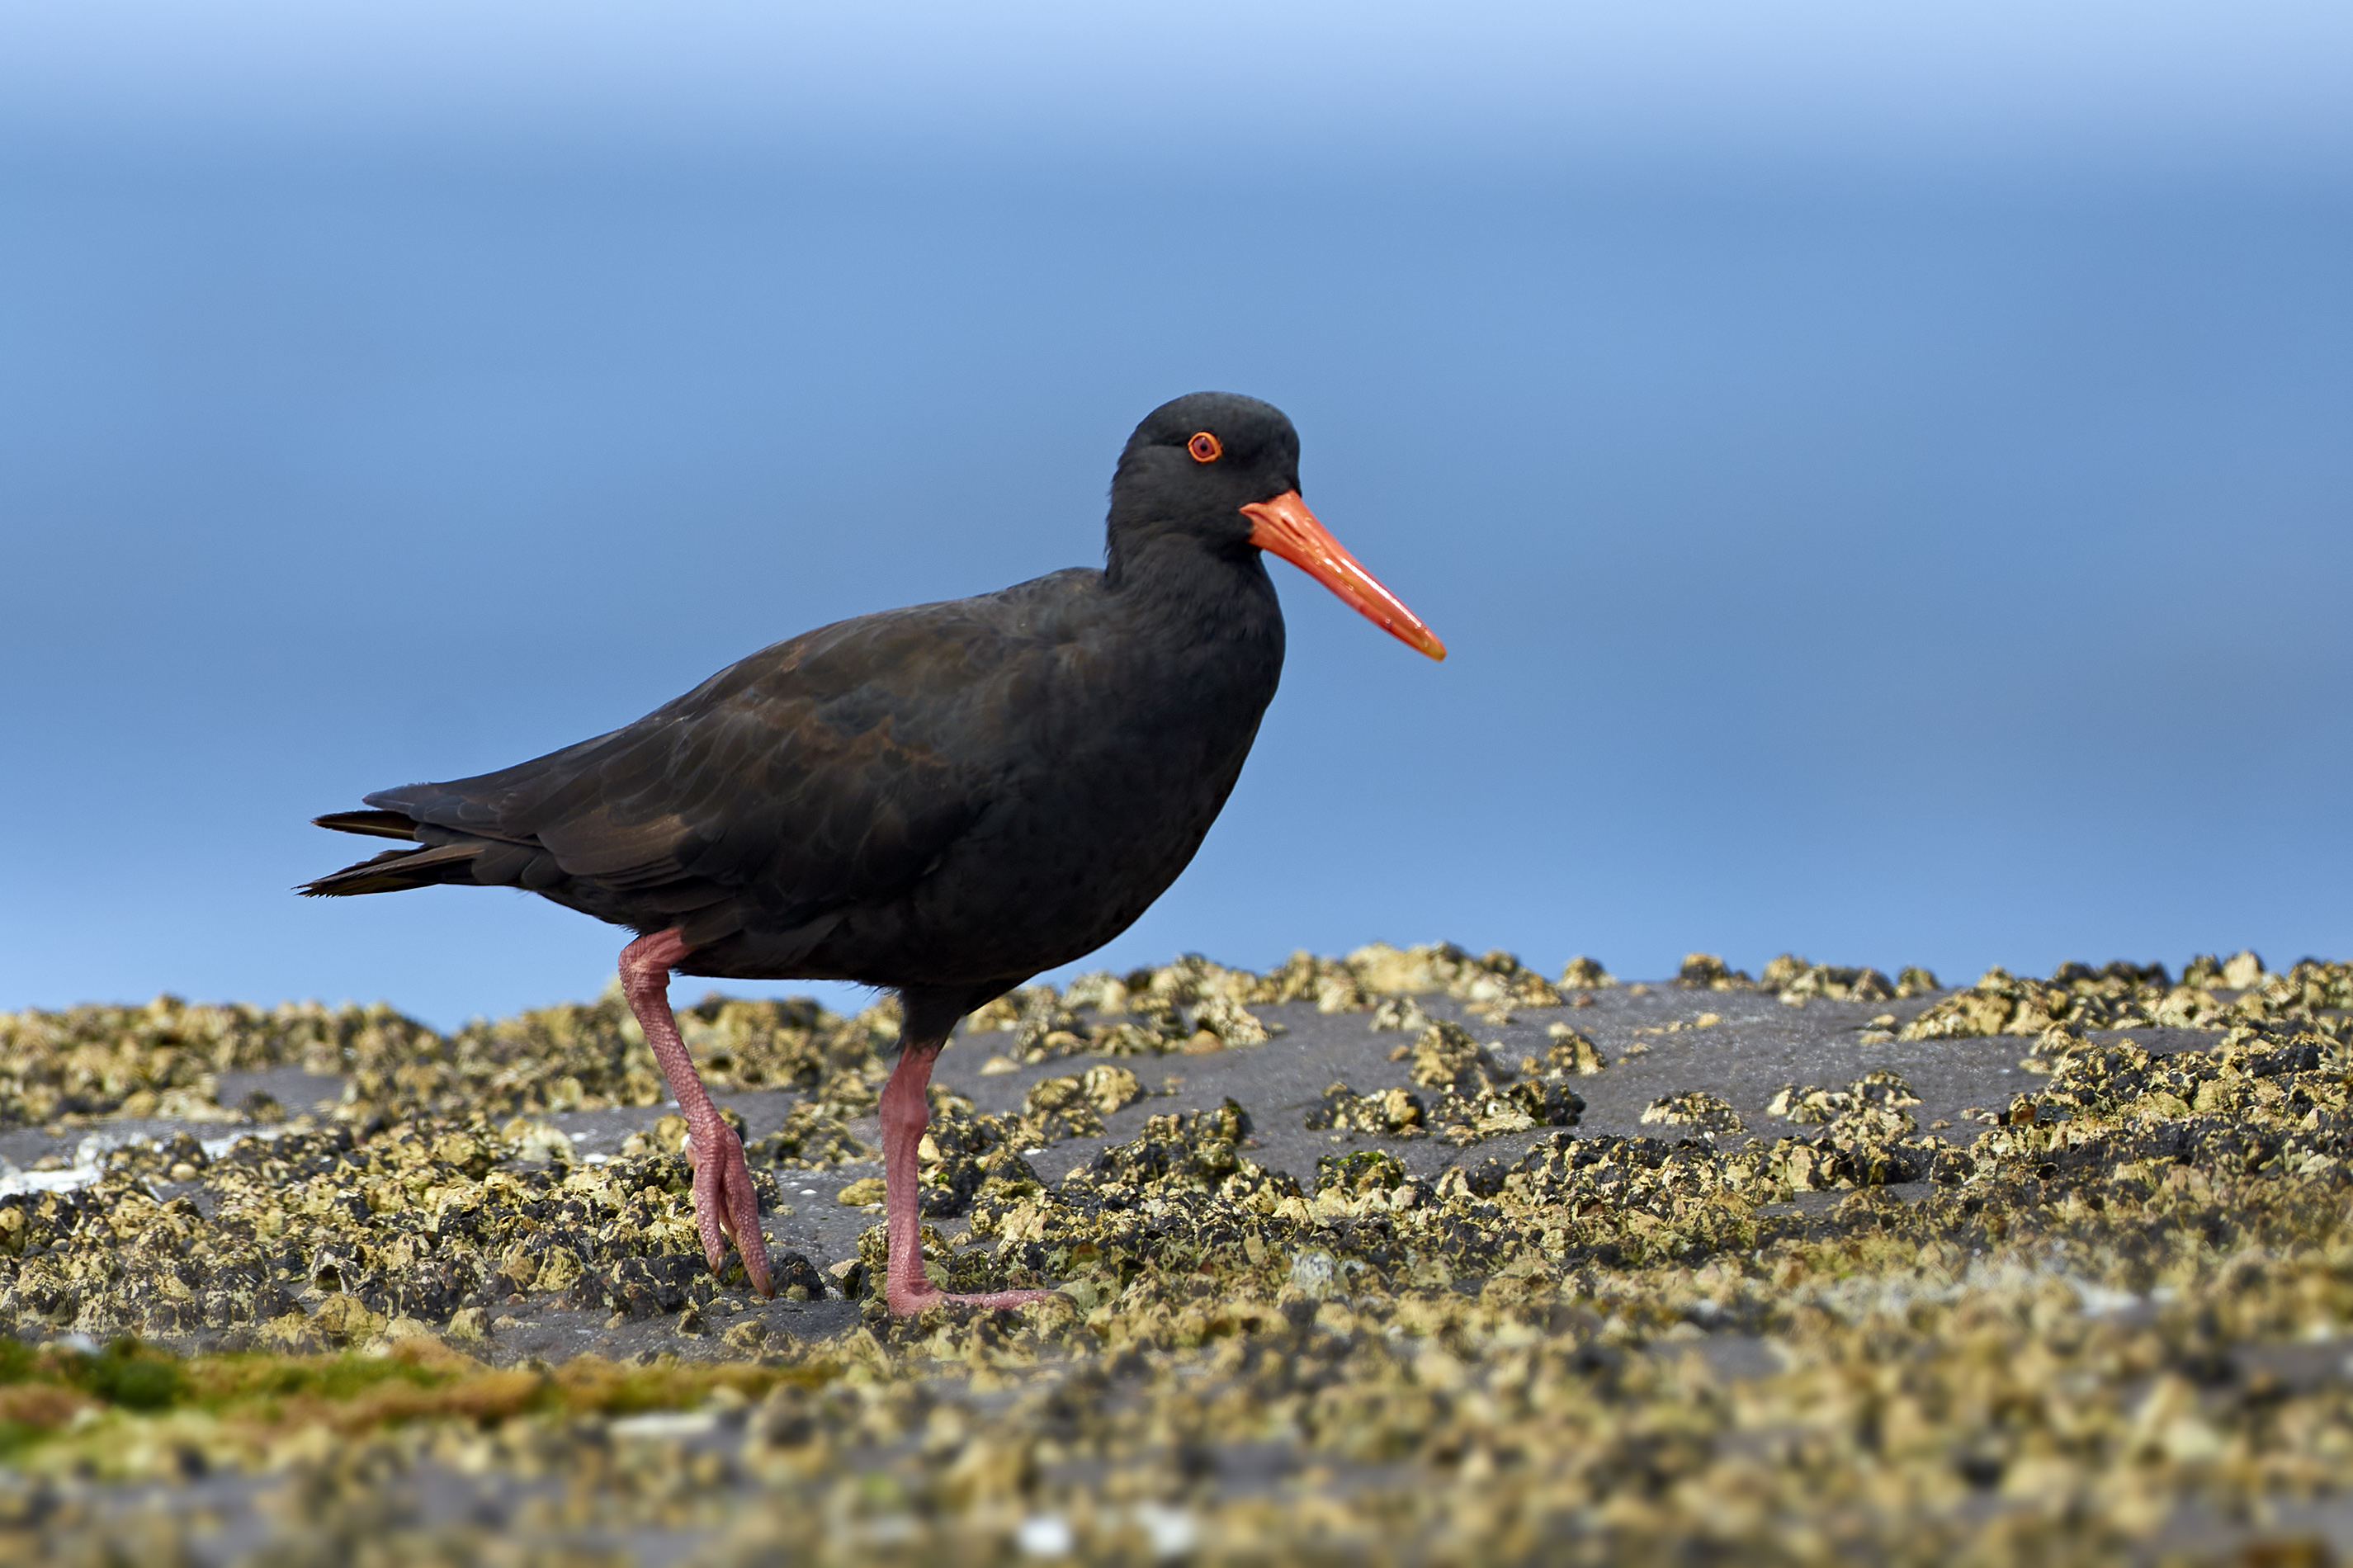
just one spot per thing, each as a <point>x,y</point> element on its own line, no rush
<point>1868,1138</point>
<point>1572,1052</point>
<point>1696,1109</point>
<point>1445,1057</point>
<point>1401,1013</point>
<point>1189,978</point>
<point>1795,980</point>
<point>1496,977</point>
<point>1387,971</point>
<point>1582,973</point>
<point>1042,1025</point>
<point>2129,996</point>
<point>2108,1326</point>
<point>815,1134</point>
<point>1807,1102</point>
<point>1393,1112</point>
<point>1620,1199</point>
<point>2242,971</point>
<point>1191,1004</point>
<point>1231,1022</point>
<point>964,1154</point>
<point>945,1263</point>
<point>1881,1086</point>
<point>1194,1150</point>
<point>1330,983</point>
<point>1837,1160</point>
<point>1058,1108</point>
<point>1879,1089</point>
<point>578,1058</point>
<point>161,1059</point>
<point>1365,1170</point>
<point>1512,1107</point>
<point>1098,991</point>
<point>92,1059</point>
<point>1913,981</point>
<point>1479,1098</point>
<point>1110,1089</point>
<point>1707,972</point>
<point>1006,1013</point>
<point>327,1233</point>
<point>2096,1080</point>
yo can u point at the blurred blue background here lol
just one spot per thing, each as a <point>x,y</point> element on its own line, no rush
<point>1884,477</point>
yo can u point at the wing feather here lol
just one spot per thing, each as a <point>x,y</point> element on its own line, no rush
<point>821,772</point>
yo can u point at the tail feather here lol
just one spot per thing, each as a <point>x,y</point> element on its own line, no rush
<point>396,870</point>
<point>375,824</point>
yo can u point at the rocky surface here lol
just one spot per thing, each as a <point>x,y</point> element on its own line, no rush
<point>1414,1256</point>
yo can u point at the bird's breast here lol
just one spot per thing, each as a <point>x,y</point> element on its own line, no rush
<point>1103,800</point>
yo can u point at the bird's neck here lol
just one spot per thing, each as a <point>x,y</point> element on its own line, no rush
<point>1193,592</point>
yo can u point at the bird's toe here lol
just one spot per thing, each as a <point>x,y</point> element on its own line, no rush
<point>744,1203</point>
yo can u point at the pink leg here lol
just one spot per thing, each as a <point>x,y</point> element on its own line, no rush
<point>904,1114</point>
<point>726,1205</point>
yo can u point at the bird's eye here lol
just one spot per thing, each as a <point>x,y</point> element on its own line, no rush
<point>1205,448</point>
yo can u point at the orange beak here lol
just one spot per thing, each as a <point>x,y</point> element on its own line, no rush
<point>1285,526</point>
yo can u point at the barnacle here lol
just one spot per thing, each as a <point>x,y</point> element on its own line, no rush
<point>1400,1012</point>
<point>1795,980</point>
<point>1571,1051</point>
<point>1695,1108</point>
<point>1396,1113</point>
<point>1582,973</point>
<point>1707,972</point>
<point>1495,977</point>
<point>2132,996</point>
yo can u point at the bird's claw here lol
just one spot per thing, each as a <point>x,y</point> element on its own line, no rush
<point>727,1205</point>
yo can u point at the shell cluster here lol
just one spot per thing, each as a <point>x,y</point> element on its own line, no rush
<point>2140,996</point>
<point>2104,1318</point>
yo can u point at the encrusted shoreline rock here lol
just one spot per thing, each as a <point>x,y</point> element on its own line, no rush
<point>2108,1315</point>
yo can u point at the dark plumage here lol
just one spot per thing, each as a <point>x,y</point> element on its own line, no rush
<point>942,799</point>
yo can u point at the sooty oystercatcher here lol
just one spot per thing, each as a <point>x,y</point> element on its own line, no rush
<point>942,799</point>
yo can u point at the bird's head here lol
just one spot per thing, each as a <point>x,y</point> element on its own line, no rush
<point>1224,469</point>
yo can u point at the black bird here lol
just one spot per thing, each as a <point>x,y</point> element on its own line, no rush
<point>942,799</point>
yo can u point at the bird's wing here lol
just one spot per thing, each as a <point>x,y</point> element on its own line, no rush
<point>828,771</point>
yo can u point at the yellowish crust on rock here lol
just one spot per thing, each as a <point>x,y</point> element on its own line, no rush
<point>2110,1325</point>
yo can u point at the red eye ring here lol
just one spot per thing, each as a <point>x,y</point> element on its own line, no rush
<point>1206,447</point>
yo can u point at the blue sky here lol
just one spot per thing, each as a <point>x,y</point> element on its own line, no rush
<point>2258,80</point>
<point>1882,472</point>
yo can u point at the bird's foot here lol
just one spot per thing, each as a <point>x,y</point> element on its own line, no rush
<point>727,1205</point>
<point>904,1301</point>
